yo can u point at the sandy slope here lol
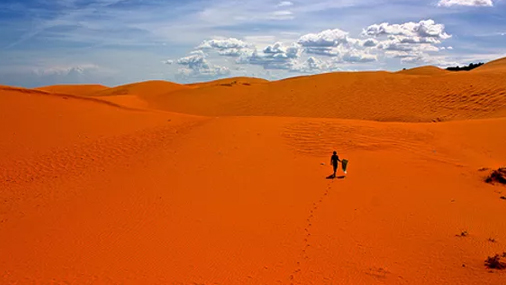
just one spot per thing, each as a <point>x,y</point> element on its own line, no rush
<point>495,65</point>
<point>147,88</point>
<point>82,90</point>
<point>230,82</point>
<point>424,70</point>
<point>424,94</point>
<point>95,193</point>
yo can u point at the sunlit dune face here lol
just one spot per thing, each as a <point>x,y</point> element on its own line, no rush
<point>231,181</point>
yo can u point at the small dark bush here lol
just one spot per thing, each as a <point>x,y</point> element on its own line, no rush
<point>465,67</point>
<point>495,262</point>
<point>498,176</point>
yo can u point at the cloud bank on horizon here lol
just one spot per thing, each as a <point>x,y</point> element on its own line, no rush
<point>114,42</point>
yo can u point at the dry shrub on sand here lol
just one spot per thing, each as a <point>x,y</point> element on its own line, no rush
<point>495,262</point>
<point>498,176</point>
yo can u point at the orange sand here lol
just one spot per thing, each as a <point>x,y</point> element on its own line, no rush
<point>424,70</point>
<point>110,187</point>
<point>82,90</point>
<point>378,96</point>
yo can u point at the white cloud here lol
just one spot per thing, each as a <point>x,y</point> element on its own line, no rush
<point>223,44</point>
<point>482,3</point>
<point>406,46</point>
<point>337,43</point>
<point>446,48</point>
<point>276,56</point>
<point>358,56</point>
<point>326,51</point>
<point>406,57</point>
<point>285,4</point>
<point>422,58</point>
<point>280,49</point>
<point>231,52</point>
<point>423,29</point>
<point>168,61</point>
<point>414,59</point>
<point>273,56</point>
<point>313,65</point>
<point>282,15</point>
<point>324,43</point>
<point>370,43</point>
<point>196,58</point>
<point>327,38</point>
<point>409,42</point>
<point>65,70</point>
<point>208,72</point>
<point>56,74</point>
<point>412,41</point>
<point>199,67</point>
<point>226,47</point>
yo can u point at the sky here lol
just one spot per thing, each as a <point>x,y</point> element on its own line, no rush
<point>115,42</point>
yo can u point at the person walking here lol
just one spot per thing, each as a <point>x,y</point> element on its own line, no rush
<point>334,160</point>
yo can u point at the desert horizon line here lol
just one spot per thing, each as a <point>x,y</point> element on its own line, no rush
<point>268,80</point>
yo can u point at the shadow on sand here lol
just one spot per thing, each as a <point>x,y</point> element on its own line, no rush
<point>332,176</point>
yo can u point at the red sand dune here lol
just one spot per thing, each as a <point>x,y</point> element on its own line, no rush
<point>424,70</point>
<point>92,192</point>
<point>230,82</point>
<point>136,94</point>
<point>406,96</point>
<point>82,90</point>
<point>498,65</point>
<point>148,88</point>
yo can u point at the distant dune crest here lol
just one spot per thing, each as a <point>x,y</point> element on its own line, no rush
<point>422,94</point>
<point>499,64</point>
<point>424,70</point>
<point>82,90</point>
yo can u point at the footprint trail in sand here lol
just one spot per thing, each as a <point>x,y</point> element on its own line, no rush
<point>304,256</point>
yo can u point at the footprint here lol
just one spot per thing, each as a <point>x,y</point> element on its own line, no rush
<point>307,230</point>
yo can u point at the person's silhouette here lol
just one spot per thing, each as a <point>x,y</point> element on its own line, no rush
<point>334,161</point>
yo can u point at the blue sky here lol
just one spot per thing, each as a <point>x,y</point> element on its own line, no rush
<point>113,42</point>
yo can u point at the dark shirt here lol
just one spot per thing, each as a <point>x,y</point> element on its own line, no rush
<point>334,159</point>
